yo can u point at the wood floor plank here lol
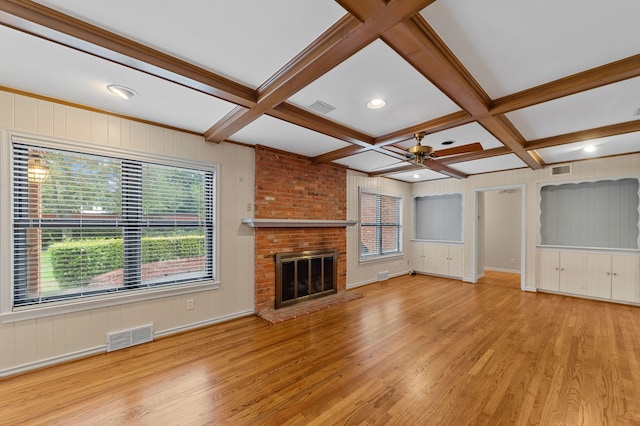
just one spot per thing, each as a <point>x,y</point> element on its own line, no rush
<point>413,350</point>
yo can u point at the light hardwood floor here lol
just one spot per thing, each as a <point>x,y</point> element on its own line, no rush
<point>413,351</point>
<point>506,279</point>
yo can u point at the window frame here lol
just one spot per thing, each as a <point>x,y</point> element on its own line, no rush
<point>9,313</point>
<point>399,227</point>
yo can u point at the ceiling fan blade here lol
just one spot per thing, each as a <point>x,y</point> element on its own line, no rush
<point>445,170</point>
<point>389,166</point>
<point>462,149</point>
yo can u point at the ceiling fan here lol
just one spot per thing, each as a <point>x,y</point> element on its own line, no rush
<point>420,153</point>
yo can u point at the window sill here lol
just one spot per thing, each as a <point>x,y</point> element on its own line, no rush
<point>96,302</point>
<point>415,240</point>
<point>381,258</point>
<point>606,250</point>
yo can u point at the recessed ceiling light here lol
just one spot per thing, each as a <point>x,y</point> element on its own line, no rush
<point>123,92</point>
<point>416,176</point>
<point>448,142</point>
<point>376,103</point>
<point>589,148</point>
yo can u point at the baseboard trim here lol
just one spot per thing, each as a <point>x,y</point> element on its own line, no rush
<point>512,271</point>
<point>53,361</point>
<point>103,348</point>
<point>200,324</point>
<point>375,280</point>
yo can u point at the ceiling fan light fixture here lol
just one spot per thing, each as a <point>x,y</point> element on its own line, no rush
<point>122,91</point>
<point>376,103</point>
<point>421,150</point>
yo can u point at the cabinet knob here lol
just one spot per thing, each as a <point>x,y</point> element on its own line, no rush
<point>608,273</point>
<point>562,269</point>
<point>615,274</point>
<point>557,269</point>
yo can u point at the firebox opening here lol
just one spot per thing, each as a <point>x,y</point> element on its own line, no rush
<point>304,275</point>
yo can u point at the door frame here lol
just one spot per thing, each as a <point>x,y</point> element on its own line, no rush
<point>474,224</point>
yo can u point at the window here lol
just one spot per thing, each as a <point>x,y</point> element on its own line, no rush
<point>380,223</point>
<point>100,222</point>
<point>602,214</point>
<point>439,218</point>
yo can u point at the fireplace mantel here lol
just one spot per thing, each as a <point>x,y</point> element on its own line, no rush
<point>297,223</point>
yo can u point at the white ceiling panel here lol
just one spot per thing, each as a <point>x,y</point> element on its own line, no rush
<point>509,46</point>
<point>418,176</point>
<point>48,69</point>
<point>376,72</point>
<point>505,46</point>
<point>612,104</point>
<point>244,40</point>
<point>369,161</point>
<point>491,164</point>
<point>275,133</point>
<point>612,145</point>
<point>461,135</point>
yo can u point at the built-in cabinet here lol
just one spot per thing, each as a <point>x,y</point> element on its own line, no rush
<point>438,259</point>
<point>592,274</point>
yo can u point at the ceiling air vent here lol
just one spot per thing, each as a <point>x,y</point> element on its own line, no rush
<point>561,170</point>
<point>321,107</point>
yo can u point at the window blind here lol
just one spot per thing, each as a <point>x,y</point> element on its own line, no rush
<point>380,224</point>
<point>87,224</point>
<point>438,217</point>
<point>602,214</point>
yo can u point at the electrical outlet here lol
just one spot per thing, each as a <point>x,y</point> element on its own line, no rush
<point>189,304</point>
<point>249,207</point>
<point>513,261</point>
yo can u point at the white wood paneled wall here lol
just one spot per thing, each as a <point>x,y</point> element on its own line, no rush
<point>367,272</point>
<point>33,343</point>
<point>620,166</point>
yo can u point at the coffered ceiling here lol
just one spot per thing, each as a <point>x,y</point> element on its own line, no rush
<point>533,82</point>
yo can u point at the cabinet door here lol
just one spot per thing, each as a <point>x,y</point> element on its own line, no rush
<point>549,270</point>
<point>417,257</point>
<point>431,259</point>
<point>625,278</point>
<point>572,272</point>
<point>456,261</point>
<point>597,276</point>
<point>442,260</point>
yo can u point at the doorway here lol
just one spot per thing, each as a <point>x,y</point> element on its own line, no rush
<point>499,233</point>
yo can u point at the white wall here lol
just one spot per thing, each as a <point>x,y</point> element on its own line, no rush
<point>502,230</point>
<point>620,166</point>
<point>367,272</point>
<point>33,343</point>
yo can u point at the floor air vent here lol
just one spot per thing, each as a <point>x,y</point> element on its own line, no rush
<point>125,338</point>
<point>383,276</point>
<point>561,170</point>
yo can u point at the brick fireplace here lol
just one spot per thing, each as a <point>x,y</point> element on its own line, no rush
<point>291,186</point>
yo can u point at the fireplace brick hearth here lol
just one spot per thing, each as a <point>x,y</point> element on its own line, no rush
<point>291,186</point>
